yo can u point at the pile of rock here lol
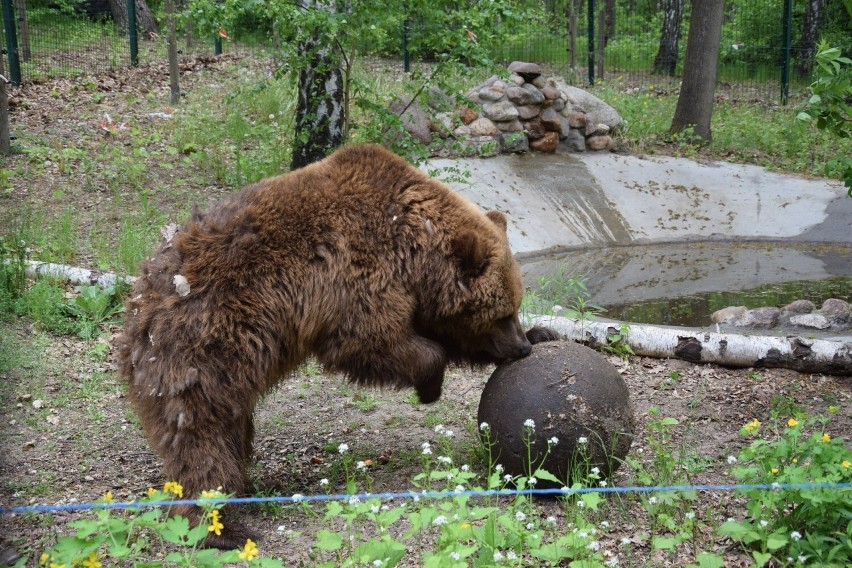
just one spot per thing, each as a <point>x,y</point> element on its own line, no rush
<point>834,315</point>
<point>525,112</point>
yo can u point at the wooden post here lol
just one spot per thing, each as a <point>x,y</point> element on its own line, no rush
<point>174,84</point>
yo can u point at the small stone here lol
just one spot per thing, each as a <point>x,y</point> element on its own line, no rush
<point>576,119</point>
<point>414,120</point>
<point>558,105</point>
<point>514,143</point>
<point>536,95</point>
<point>598,143</point>
<point>53,419</point>
<point>837,311</point>
<point>38,404</point>
<point>729,314</point>
<point>529,111</point>
<point>599,129</point>
<point>483,127</point>
<point>442,124</point>
<point>500,111</point>
<point>550,92</point>
<point>528,71</point>
<point>539,82</point>
<point>89,478</point>
<point>468,115</point>
<point>492,94</point>
<point>574,141</point>
<point>510,126</point>
<point>550,120</point>
<point>548,143</point>
<point>799,307</point>
<point>461,132</point>
<point>534,128</point>
<point>813,321</point>
<point>516,79</point>
<point>760,317</point>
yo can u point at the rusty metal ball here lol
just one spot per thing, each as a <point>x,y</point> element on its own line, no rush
<point>570,392</point>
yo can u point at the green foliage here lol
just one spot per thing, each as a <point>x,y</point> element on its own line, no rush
<point>804,524</point>
<point>830,106</point>
<point>93,306</point>
<point>44,302</point>
<point>560,294</point>
<point>616,342</point>
<point>13,278</point>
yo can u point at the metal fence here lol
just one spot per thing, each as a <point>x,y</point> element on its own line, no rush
<point>581,40</point>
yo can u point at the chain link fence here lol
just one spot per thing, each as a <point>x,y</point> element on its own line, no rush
<point>764,54</point>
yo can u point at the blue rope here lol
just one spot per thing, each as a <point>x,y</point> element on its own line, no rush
<point>424,495</point>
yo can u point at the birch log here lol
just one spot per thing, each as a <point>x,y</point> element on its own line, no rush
<point>74,275</point>
<point>793,352</point>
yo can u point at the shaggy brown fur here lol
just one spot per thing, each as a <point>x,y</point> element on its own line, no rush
<point>360,260</point>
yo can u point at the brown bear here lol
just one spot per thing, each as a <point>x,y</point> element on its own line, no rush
<point>361,260</point>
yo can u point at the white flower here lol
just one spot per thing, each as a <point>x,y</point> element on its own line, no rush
<point>342,448</point>
<point>455,555</point>
<point>764,523</point>
<point>594,545</point>
<point>595,470</point>
<point>530,526</point>
<point>582,440</point>
<point>553,441</point>
<point>732,459</point>
<point>532,481</point>
<point>465,467</point>
<point>271,117</point>
<point>581,504</point>
<point>529,423</point>
<point>298,496</point>
<point>354,500</point>
<point>776,485</point>
<point>551,519</point>
<point>427,451</point>
<point>507,478</point>
<point>449,433</point>
<point>796,535</point>
<point>416,498</point>
<point>652,500</point>
<point>498,468</point>
<point>440,520</point>
<point>439,429</point>
<point>498,556</point>
<point>377,562</point>
<point>690,515</point>
<point>375,509</point>
<point>625,541</point>
<point>602,483</point>
<point>605,524</point>
<point>802,558</point>
<point>520,516</point>
<point>583,534</point>
<point>459,489</point>
<point>484,426</point>
<point>361,465</point>
<point>425,445</point>
<point>511,555</point>
<point>445,459</point>
<point>323,481</point>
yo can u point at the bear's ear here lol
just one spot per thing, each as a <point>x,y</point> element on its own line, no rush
<point>471,254</point>
<point>498,219</point>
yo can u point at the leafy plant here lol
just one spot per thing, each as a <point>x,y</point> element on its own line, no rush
<point>616,342</point>
<point>93,306</point>
<point>804,524</point>
<point>830,105</point>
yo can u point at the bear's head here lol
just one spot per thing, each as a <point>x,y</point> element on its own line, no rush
<point>477,322</point>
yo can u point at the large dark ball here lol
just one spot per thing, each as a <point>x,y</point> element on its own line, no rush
<point>570,392</point>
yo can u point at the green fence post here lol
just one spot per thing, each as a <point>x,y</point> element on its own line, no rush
<point>591,42</point>
<point>131,32</point>
<point>217,46</point>
<point>786,42</point>
<point>11,42</point>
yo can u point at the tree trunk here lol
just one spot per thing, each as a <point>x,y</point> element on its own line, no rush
<point>609,21</point>
<point>665,62</point>
<point>174,79</point>
<point>732,350</point>
<point>695,103</point>
<point>320,109</point>
<point>145,21</point>
<point>5,126</point>
<point>24,28</point>
<point>810,33</point>
<point>573,7</point>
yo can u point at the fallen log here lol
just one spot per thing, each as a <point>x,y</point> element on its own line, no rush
<point>798,353</point>
<point>74,275</point>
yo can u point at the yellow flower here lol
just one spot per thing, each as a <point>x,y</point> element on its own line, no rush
<point>151,491</point>
<point>92,561</point>
<point>55,565</point>
<point>212,494</point>
<point>43,558</point>
<point>775,470</point>
<point>792,422</point>
<point>846,464</point>
<point>108,497</point>
<point>795,460</point>
<point>250,551</point>
<point>825,439</point>
<point>465,525</point>
<point>215,525</point>
<point>752,426</point>
<point>173,487</point>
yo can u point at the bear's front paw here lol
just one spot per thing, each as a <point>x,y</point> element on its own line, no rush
<point>430,392</point>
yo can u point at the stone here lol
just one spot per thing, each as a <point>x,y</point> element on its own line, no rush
<point>461,131</point>
<point>539,82</point>
<point>598,143</point>
<point>729,314</point>
<point>529,71</point>
<point>483,127</point>
<point>562,390</point>
<point>576,119</point>
<point>550,92</point>
<point>534,128</point>
<point>550,120</point>
<point>492,94</point>
<point>837,311</point>
<point>564,127</point>
<point>514,143</point>
<point>481,146</point>
<point>473,94</point>
<point>548,143</point>
<point>799,307</point>
<point>437,99</point>
<point>536,96</point>
<point>812,321</point>
<point>414,120</point>
<point>599,129</point>
<point>510,126</point>
<point>500,111</point>
<point>556,105</point>
<point>443,124</point>
<point>468,115</point>
<point>528,112</point>
<point>765,318</point>
<point>574,141</point>
<point>516,79</point>
<point>597,111</point>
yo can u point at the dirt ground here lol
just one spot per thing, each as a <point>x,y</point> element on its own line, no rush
<point>67,433</point>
